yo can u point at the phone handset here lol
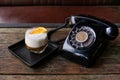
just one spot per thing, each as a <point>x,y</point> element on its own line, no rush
<point>111,30</point>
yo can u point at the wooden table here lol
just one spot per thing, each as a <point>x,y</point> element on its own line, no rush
<point>11,68</point>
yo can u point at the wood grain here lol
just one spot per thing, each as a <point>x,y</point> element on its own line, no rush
<point>109,62</point>
<point>60,77</point>
<point>56,2</point>
<point>55,14</point>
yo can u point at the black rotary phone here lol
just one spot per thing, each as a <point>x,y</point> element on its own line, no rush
<point>87,39</point>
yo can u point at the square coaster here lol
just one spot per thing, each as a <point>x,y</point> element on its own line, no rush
<point>19,50</point>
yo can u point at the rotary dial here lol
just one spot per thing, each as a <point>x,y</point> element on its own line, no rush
<point>82,37</point>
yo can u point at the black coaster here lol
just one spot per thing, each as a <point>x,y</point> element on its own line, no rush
<point>19,50</point>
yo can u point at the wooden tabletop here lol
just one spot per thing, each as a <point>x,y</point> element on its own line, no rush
<point>11,68</point>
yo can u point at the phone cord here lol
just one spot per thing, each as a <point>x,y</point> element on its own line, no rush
<point>50,33</point>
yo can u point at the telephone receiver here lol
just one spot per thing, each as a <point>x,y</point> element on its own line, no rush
<point>87,39</point>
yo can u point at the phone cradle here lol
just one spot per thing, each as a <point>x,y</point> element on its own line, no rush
<point>87,57</point>
<point>87,39</point>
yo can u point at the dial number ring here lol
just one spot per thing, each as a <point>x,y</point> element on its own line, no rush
<point>82,37</point>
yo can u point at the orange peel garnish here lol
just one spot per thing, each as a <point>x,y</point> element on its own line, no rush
<point>38,30</point>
